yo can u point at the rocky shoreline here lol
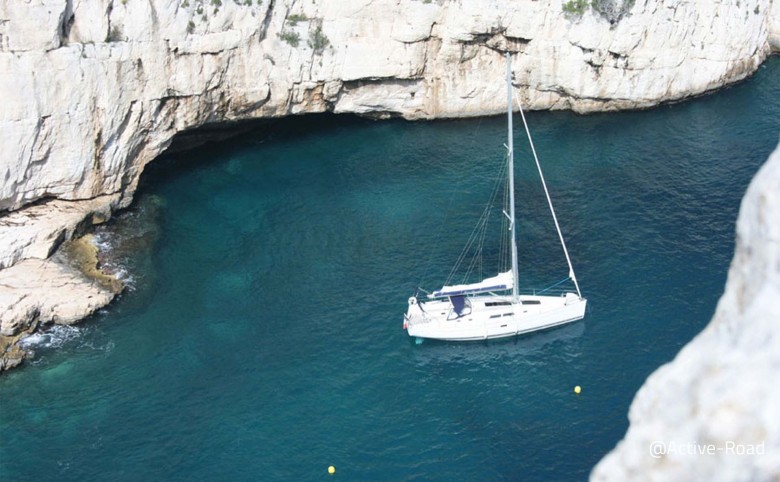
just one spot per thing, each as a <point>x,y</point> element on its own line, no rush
<point>62,290</point>
<point>81,276</point>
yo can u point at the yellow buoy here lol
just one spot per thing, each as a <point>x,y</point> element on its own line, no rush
<point>331,470</point>
<point>577,389</point>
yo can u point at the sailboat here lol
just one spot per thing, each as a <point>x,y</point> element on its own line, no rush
<point>495,307</point>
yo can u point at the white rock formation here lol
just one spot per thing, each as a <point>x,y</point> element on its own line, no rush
<point>723,388</point>
<point>774,26</point>
<point>62,289</point>
<point>92,90</point>
<point>35,232</point>
<point>65,295</point>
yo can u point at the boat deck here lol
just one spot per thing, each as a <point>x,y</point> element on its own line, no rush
<point>491,316</point>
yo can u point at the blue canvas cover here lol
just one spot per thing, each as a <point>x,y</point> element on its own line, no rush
<point>458,304</point>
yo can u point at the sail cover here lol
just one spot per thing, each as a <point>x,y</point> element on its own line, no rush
<point>500,282</point>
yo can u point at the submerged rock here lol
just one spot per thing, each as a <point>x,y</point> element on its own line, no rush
<point>82,254</point>
<point>713,413</point>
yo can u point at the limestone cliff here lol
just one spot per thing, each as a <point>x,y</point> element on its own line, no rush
<point>92,90</point>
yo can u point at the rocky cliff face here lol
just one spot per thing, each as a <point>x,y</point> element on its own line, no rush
<point>92,90</point>
<point>774,26</point>
<point>721,390</point>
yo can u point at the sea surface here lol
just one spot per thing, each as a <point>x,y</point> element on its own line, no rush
<point>261,335</point>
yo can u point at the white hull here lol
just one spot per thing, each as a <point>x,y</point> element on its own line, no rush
<point>490,316</point>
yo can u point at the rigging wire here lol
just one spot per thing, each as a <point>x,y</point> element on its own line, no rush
<point>549,200</point>
<point>447,212</point>
<point>476,240</point>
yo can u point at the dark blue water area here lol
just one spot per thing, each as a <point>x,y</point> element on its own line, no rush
<point>264,341</point>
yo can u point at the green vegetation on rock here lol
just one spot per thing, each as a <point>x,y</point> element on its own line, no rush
<point>317,40</point>
<point>292,38</point>
<point>575,7</point>
<point>611,10</point>
<point>295,18</point>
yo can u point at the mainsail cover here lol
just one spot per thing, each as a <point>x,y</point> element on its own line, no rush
<point>500,282</point>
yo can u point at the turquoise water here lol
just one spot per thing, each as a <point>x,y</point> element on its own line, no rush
<point>262,339</point>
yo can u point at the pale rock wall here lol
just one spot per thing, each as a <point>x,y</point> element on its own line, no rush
<point>36,231</point>
<point>93,90</point>
<point>722,388</point>
<point>773,25</point>
<point>58,305</point>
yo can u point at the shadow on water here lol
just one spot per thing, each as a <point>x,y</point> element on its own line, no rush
<point>194,149</point>
<point>478,352</point>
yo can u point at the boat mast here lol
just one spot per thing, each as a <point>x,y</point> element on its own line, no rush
<point>511,173</point>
